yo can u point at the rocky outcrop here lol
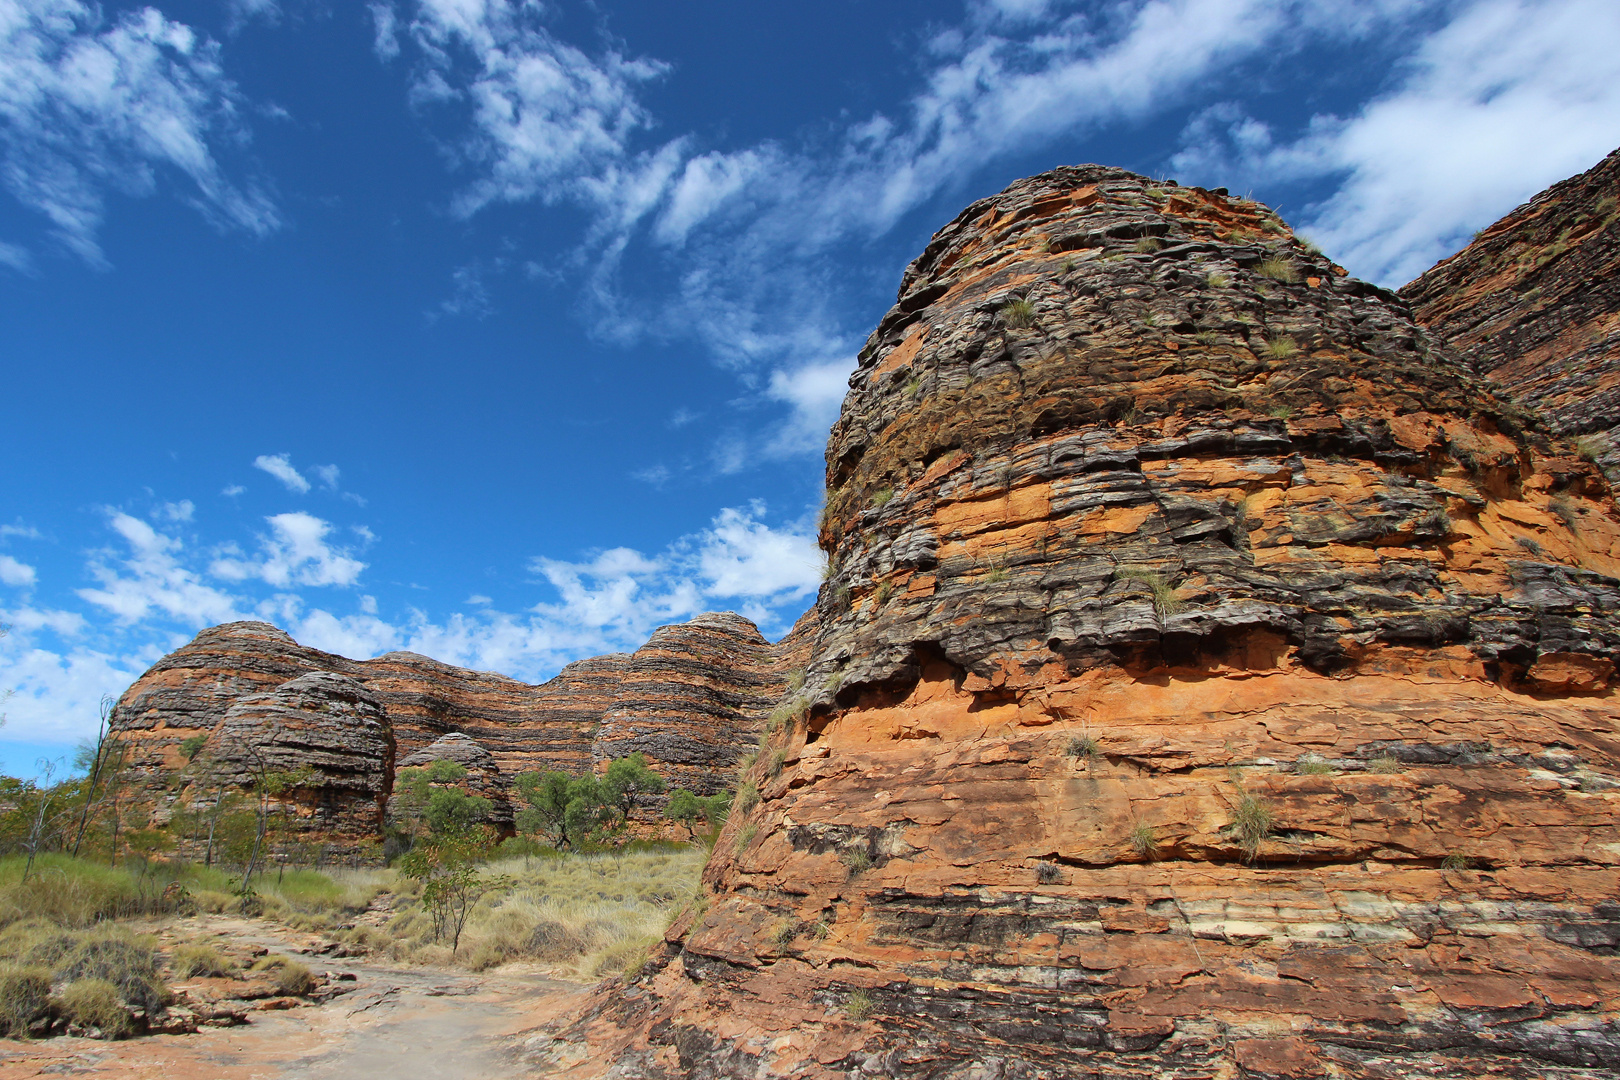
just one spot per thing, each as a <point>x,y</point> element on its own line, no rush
<point>693,700</point>
<point>1214,678</point>
<point>483,777</point>
<point>329,740</point>
<point>1535,301</point>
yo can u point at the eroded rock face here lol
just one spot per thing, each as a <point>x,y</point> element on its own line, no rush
<point>691,698</point>
<point>324,723</point>
<point>1214,679</point>
<point>1535,300</point>
<point>694,700</point>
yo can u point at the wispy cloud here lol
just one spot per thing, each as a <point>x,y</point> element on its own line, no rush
<point>1503,100</point>
<point>151,578</point>
<point>280,466</point>
<point>752,234</point>
<point>90,106</point>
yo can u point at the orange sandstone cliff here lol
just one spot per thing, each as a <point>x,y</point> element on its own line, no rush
<point>1215,677</point>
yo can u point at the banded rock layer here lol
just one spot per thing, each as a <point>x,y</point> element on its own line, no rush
<point>693,699</point>
<point>1535,300</point>
<point>1214,678</point>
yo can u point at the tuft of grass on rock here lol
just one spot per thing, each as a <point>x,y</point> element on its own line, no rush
<point>1281,348</point>
<point>1456,860</point>
<point>1143,840</point>
<point>94,1003</point>
<point>1165,601</point>
<point>1082,747</point>
<point>859,1004</point>
<point>857,859</point>
<point>1386,763</point>
<point>1313,766</point>
<point>25,992</point>
<point>1279,269</point>
<point>1018,314</point>
<point>197,960</point>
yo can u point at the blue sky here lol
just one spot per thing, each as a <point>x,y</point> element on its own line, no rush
<point>507,331</point>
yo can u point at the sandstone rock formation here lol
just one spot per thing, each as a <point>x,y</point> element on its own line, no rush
<point>483,776</point>
<point>1215,678</point>
<point>1535,301</point>
<point>693,700</point>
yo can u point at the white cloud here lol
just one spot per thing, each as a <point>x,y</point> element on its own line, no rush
<point>176,511</point>
<point>15,573</point>
<point>328,476</point>
<point>16,257</point>
<point>151,580</point>
<point>280,466</point>
<point>89,106</point>
<point>815,392</point>
<point>1505,99</point>
<point>295,553</point>
<point>385,21</point>
<point>19,530</point>
<point>542,113</point>
<point>58,693</point>
<point>758,225</point>
<point>233,490</point>
<point>742,557</point>
<point>479,599</point>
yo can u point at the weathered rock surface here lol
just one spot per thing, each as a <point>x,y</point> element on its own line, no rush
<point>1535,301</point>
<point>1215,678</point>
<point>693,699</point>
<point>483,776</point>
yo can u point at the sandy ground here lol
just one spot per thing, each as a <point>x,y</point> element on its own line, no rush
<point>396,1024</point>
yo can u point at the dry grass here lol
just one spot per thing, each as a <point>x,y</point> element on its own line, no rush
<point>585,915</point>
<point>94,1003</point>
<point>199,961</point>
<point>24,995</point>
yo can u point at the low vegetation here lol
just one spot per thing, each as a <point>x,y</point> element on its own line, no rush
<point>1018,314</point>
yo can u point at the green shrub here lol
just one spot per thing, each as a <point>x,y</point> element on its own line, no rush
<point>858,1006</point>
<point>1208,337</point>
<point>1148,245</point>
<point>747,798</point>
<point>24,997</point>
<point>857,859</point>
<point>882,496</point>
<point>773,767</point>
<point>746,837</point>
<point>1219,281</point>
<point>95,1004</point>
<point>196,960</point>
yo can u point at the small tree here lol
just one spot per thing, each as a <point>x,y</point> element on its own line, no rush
<point>627,779</point>
<point>547,812</point>
<point>47,769</point>
<point>446,865</point>
<point>414,790</point>
<point>685,808</point>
